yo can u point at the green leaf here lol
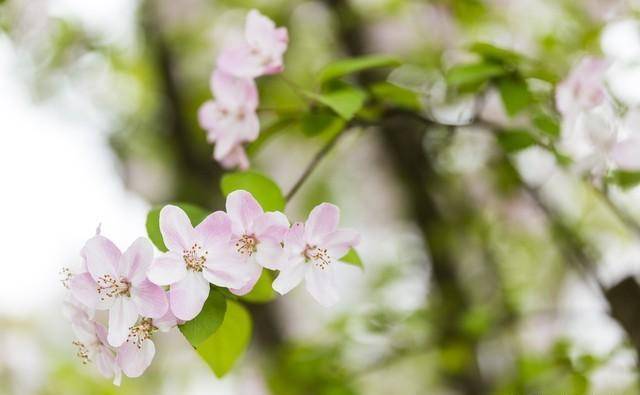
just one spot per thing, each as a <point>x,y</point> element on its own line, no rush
<point>395,96</point>
<point>495,54</point>
<point>346,101</point>
<point>222,349</point>
<point>344,67</point>
<point>321,123</point>
<point>352,258</point>
<point>625,179</point>
<point>263,291</point>
<point>413,78</point>
<point>210,318</point>
<point>266,192</point>
<point>515,140</point>
<point>195,213</point>
<point>547,124</point>
<point>472,74</point>
<point>515,94</point>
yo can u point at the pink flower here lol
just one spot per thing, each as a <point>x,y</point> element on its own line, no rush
<point>91,340</point>
<point>136,354</point>
<point>626,154</point>
<point>231,119</point>
<point>117,282</point>
<point>262,52</point>
<point>313,250</point>
<point>236,158</point>
<point>584,88</point>
<point>257,236</point>
<point>196,257</point>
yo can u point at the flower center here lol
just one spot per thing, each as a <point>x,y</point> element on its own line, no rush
<point>247,244</point>
<point>195,258</point>
<point>83,352</point>
<point>108,287</point>
<point>141,332</point>
<point>317,256</point>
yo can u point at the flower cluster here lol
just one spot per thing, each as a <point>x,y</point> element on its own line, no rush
<point>597,132</point>
<point>231,120</point>
<point>143,294</point>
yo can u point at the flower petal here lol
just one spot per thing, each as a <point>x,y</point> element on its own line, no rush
<point>234,92</point>
<point>322,220</point>
<point>240,62</point>
<point>136,260</point>
<point>294,239</point>
<point>177,231</point>
<point>321,285</point>
<point>253,271</point>
<point>227,270</point>
<point>214,229</point>
<point>243,209</point>
<point>151,300</point>
<point>84,289</point>
<point>122,315</point>
<point>106,363</point>
<point>626,154</point>
<point>270,254</point>
<point>339,242</point>
<point>289,278</point>
<point>207,115</point>
<point>167,321</point>
<point>133,360</point>
<point>188,296</point>
<point>167,269</point>
<point>272,224</point>
<point>236,158</point>
<point>102,257</point>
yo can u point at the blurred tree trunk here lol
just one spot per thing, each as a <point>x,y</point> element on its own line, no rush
<point>402,136</point>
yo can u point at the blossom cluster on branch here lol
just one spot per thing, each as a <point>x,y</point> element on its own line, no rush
<point>143,294</point>
<point>231,119</point>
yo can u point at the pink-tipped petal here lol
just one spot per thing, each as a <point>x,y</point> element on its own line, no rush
<point>133,360</point>
<point>294,241</point>
<point>177,232</point>
<point>273,225</point>
<point>234,92</point>
<point>254,271</point>
<point>122,315</point>
<point>84,289</point>
<point>188,296</point>
<point>106,363</point>
<point>225,143</point>
<point>270,254</point>
<point>239,62</point>
<point>207,115</point>
<point>322,220</point>
<point>102,257</point>
<point>151,300</point>
<point>321,285</point>
<point>339,242</point>
<point>136,260</point>
<point>167,321</point>
<point>289,278</point>
<point>236,158</point>
<point>626,154</point>
<point>214,229</point>
<point>243,209</point>
<point>167,269</point>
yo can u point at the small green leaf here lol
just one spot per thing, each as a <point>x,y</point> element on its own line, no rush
<point>222,349</point>
<point>344,67</point>
<point>413,78</point>
<point>625,179</point>
<point>515,94</point>
<point>547,124</point>
<point>346,101</point>
<point>196,215</point>
<point>266,192</point>
<point>210,318</point>
<point>321,123</point>
<point>395,96</point>
<point>495,54</point>
<point>472,74</point>
<point>352,258</point>
<point>515,140</point>
<point>263,291</point>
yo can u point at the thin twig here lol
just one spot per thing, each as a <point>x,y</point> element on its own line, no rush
<point>313,164</point>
